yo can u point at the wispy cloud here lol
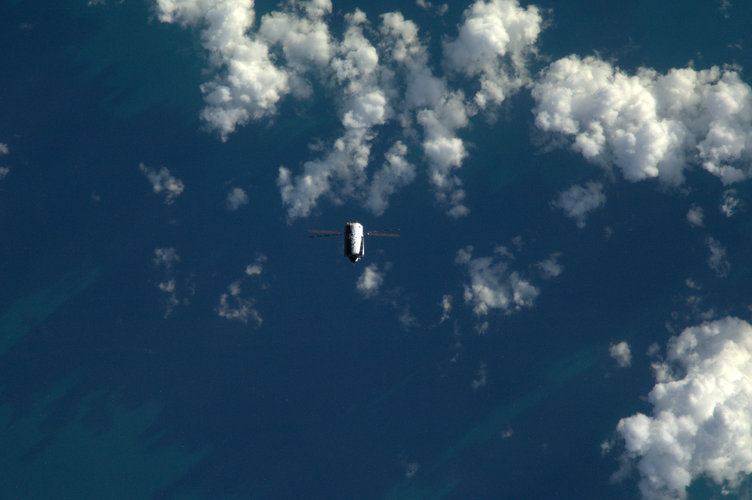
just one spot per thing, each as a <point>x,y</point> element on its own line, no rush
<point>696,216</point>
<point>578,201</point>
<point>370,281</point>
<point>621,353</point>
<point>481,378</point>
<point>731,203</point>
<point>236,305</point>
<point>165,260</point>
<point>446,307</point>
<point>717,259</point>
<point>236,198</point>
<point>163,183</point>
<point>494,285</point>
<point>4,170</point>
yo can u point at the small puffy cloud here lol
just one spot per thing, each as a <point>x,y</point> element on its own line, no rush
<point>165,257</point>
<point>370,281</point>
<point>578,201</point>
<point>493,285</point>
<point>4,150</point>
<point>621,353</point>
<point>717,260</point>
<point>550,267</point>
<point>695,216</point>
<point>257,267</point>
<point>236,198</point>
<point>701,421</point>
<point>163,183</point>
<point>4,171</point>
<point>649,124</point>
<point>494,41</point>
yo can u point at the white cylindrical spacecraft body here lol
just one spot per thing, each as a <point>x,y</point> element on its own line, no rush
<point>354,241</point>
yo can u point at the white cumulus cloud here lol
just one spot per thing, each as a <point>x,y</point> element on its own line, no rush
<point>495,39</point>
<point>649,124</point>
<point>701,421</point>
<point>374,77</point>
<point>342,170</point>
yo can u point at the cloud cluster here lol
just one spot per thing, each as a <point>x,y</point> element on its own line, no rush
<point>248,83</point>
<point>649,124</point>
<point>578,201</point>
<point>163,183</point>
<point>493,285</point>
<point>165,260</point>
<point>234,305</point>
<point>356,71</point>
<point>376,77</point>
<point>701,423</point>
<point>494,42</point>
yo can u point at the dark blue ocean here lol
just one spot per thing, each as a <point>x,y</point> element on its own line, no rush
<point>110,390</point>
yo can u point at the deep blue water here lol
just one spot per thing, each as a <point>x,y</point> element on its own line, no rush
<point>331,397</point>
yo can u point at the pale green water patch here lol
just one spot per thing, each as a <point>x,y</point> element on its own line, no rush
<point>77,461</point>
<point>28,312</point>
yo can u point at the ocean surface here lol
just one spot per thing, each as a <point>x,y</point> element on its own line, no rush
<point>112,387</point>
